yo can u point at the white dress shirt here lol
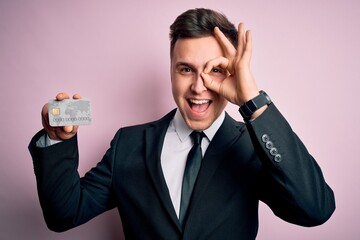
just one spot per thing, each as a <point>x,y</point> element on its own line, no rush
<point>177,144</point>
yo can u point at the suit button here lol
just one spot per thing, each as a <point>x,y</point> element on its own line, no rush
<point>269,145</point>
<point>265,138</point>
<point>273,151</point>
<point>277,158</point>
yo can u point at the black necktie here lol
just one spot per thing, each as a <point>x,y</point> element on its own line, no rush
<point>192,167</point>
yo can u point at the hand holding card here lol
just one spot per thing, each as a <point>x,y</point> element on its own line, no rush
<point>57,129</point>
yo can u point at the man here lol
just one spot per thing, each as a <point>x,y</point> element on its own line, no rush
<point>144,173</point>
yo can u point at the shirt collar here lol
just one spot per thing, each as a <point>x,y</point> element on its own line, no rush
<point>183,131</point>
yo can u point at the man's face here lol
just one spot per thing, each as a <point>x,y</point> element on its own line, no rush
<point>198,106</point>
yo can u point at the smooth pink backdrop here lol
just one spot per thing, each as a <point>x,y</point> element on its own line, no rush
<point>306,56</point>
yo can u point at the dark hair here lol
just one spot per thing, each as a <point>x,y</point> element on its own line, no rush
<point>200,22</point>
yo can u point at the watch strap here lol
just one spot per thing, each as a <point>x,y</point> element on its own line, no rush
<point>247,109</point>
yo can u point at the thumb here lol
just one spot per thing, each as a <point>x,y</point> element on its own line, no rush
<point>68,129</point>
<point>71,129</point>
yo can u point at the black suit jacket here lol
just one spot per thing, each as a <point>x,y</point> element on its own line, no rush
<point>237,171</point>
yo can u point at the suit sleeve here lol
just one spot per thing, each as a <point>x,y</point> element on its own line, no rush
<point>66,199</point>
<point>291,182</point>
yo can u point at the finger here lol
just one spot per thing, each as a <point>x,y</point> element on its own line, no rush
<point>44,110</point>
<point>221,62</point>
<point>241,40</point>
<point>76,96</point>
<point>226,45</point>
<point>62,96</point>
<point>45,116</point>
<point>68,129</point>
<point>241,37</point>
<point>209,83</point>
<point>248,47</point>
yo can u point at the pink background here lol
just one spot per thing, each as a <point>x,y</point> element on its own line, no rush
<point>306,56</point>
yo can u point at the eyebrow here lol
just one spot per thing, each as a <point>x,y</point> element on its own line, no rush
<point>185,64</point>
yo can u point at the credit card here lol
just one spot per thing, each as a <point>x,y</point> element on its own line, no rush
<point>69,112</point>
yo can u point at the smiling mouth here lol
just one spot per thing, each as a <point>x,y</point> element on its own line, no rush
<point>199,106</point>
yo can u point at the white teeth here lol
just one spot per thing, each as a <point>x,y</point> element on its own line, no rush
<point>194,101</point>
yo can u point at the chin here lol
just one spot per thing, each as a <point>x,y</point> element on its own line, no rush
<point>198,125</point>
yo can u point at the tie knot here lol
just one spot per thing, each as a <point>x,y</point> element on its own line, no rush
<point>197,137</point>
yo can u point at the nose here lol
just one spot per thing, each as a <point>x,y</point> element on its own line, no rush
<point>198,84</point>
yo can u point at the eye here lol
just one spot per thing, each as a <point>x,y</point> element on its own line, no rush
<point>185,70</point>
<point>218,71</point>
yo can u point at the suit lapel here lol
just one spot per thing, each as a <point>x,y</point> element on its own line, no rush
<point>154,139</point>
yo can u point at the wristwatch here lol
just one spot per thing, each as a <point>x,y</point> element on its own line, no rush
<point>248,108</point>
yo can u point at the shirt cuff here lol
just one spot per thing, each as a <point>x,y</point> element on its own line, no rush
<point>46,141</point>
